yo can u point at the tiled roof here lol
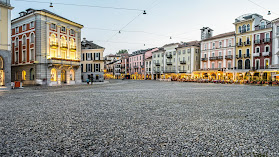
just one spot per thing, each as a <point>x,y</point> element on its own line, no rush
<point>191,43</point>
<point>170,44</point>
<point>90,45</point>
<point>221,36</point>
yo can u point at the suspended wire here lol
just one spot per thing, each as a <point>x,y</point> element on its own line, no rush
<point>82,5</point>
<point>261,6</point>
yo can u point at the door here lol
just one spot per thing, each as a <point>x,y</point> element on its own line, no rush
<point>63,76</point>
<point>2,78</point>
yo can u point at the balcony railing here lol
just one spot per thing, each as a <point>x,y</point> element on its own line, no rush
<point>257,41</point>
<point>212,58</point>
<point>247,43</point>
<point>182,62</point>
<point>220,58</point>
<point>157,64</point>
<point>169,55</point>
<point>169,63</point>
<point>204,59</point>
<point>73,48</point>
<point>238,56</point>
<point>266,53</point>
<point>53,44</point>
<point>182,71</point>
<point>239,44</point>
<point>266,40</point>
<point>170,71</point>
<point>257,54</point>
<point>229,57</point>
<point>64,46</point>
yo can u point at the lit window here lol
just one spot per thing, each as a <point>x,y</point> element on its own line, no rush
<point>24,40</point>
<point>72,32</point>
<point>23,75</point>
<point>72,75</point>
<point>16,29</point>
<point>53,75</point>
<point>32,38</point>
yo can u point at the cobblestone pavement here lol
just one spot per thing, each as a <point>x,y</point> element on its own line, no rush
<point>140,118</point>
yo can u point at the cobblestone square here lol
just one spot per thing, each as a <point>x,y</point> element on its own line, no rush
<point>140,118</point>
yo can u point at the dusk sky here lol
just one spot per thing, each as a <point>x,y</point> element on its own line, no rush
<point>179,19</point>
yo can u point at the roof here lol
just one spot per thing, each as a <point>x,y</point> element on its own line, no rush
<point>277,19</point>
<point>188,44</point>
<point>159,49</point>
<point>221,36</point>
<point>170,44</point>
<point>6,4</point>
<point>149,57</point>
<point>31,11</point>
<point>85,44</point>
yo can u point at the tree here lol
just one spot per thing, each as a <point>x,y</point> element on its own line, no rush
<point>122,52</point>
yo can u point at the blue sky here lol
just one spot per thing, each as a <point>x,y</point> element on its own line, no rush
<point>180,19</point>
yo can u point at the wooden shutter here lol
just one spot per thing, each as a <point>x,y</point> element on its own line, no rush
<point>94,56</point>
<point>86,56</point>
<point>83,57</point>
<point>94,68</point>
<point>91,66</point>
<point>91,56</point>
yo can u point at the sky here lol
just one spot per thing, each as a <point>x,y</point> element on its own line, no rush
<point>166,21</point>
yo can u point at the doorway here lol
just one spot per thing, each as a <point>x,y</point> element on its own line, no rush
<point>63,76</point>
<point>2,78</point>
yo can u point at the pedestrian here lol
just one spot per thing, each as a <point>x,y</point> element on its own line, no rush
<point>87,80</point>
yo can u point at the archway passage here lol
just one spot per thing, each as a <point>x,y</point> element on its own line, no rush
<point>2,75</point>
<point>63,76</point>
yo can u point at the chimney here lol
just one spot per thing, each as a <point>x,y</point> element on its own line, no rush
<point>84,39</point>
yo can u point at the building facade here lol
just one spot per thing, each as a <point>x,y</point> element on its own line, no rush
<point>92,61</point>
<point>157,66</point>
<point>275,48</point>
<point>5,40</point>
<point>217,56</point>
<point>136,65</point>
<point>45,49</point>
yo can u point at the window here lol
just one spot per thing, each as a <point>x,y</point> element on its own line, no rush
<point>220,53</point>
<point>229,65</point>
<point>63,29</point>
<point>213,65</point>
<point>179,52</point>
<point>267,49</point>
<point>32,38</point>
<point>23,75</point>
<point>205,55</point>
<point>24,40</point>
<point>204,46</point>
<point>239,64</point>
<point>16,42</point>
<point>72,32</point>
<point>248,27</point>
<point>53,75</point>
<point>239,53</point>
<point>32,24</point>
<point>230,42</point>
<point>239,29</point>
<point>257,64</point>
<point>213,55</point>
<point>266,63</point>
<point>277,30</point>
<point>247,64</point>
<point>204,65</point>
<point>220,44</point>
<point>267,36</point>
<point>244,28</point>
<point>72,75</point>
<point>23,55</point>
<point>247,52</point>
<point>97,68</point>
<point>16,29</point>
<point>32,74</point>
<point>32,55</point>
<point>24,27</point>
<point>184,51</point>
<point>196,58</point>
<point>158,55</point>
<point>229,52</point>
<point>16,57</point>
<point>53,26</point>
<point>213,45</point>
<point>262,25</point>
<point>154,56</point>
<point>220,65</point>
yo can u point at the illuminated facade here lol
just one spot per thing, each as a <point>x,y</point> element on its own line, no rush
<point>45,49</point>
<point>5,40</point>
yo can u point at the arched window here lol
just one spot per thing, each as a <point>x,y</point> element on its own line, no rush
<point>16,42</point>
<point>23,75</point>
<point>24,40</point>
<point>32,38</point>
<point>32,74</point>
<point>72,75</point>
<point>239,29</point>
<point>53,75</point>
<point>63,41</point>
<point>53,38</point>
<point>248,27</point>
<point>244,28</point>
<point>247,64</point>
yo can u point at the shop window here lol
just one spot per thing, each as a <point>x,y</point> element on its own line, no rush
<point>53,75</point>
<point>72,75</point>
<point>23,75</point>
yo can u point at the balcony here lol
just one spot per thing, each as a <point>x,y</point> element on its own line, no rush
<point>169,71</point>
<point>53,44</point>
<point>247,43</point>
<point>239,44</point>
<point>220,58</point>
<point>238,56</point>
<point>157,64</point>
<point>60,61</point>
<point>246,55</point>
<point>204,59</point>
<point>257,54</point>
<point>135,67</point>
<point>212,58</point>
<point>169,55</point>
<point>182,62</point>
<point>156,71</point>
<point>73,48</point>
<point>258,41</point>
<point>229,57</point>
<point>266,53</point>
<point>64,46</point>
<point>266,40</point>
<point>169,63</point>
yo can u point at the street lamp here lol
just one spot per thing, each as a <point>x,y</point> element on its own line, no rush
<point>51,5</point>
<point>269,13</point>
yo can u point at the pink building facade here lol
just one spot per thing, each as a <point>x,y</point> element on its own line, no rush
<point>218,52</point>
